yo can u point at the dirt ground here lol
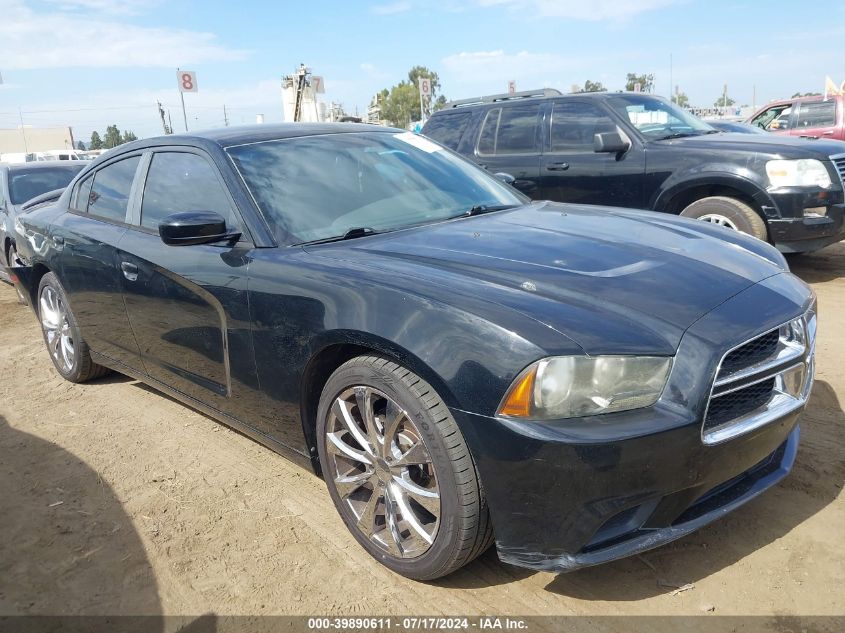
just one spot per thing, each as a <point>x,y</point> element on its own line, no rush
<point>117,500</point>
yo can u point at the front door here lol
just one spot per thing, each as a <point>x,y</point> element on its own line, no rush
<point>188,304</point>
<point>571,171</point>
<point>509,143</point>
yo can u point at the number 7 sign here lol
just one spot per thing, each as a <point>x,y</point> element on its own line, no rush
<point>187,80</point>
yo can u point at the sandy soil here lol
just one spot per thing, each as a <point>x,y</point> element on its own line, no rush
<point>117,500</point>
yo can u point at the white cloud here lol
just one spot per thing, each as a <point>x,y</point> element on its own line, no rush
<point>389,9</point>
<point>116,7</point>
<point>29,40</point>
<point>593,10</point>
<point>481,66</point>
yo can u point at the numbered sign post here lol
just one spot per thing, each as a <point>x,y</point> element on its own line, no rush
<point>425,93</point>
<point>187,80</point>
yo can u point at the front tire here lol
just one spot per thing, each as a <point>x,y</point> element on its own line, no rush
<point>399,471</point>
<point>68,350</point>
<point>730,213</point>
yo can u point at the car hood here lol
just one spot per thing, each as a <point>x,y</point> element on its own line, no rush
<point>612,280</point>
<point>787,146</point>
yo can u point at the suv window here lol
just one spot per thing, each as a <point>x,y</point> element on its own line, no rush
<point>177,182</point>
<point>774,118</point>
<point>109,196</point>
<point>448,129</point>
<point>575,123</point>
<point>511,130</point>
<point>816,114</point>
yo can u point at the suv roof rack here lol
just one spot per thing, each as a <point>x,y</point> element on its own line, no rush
<point>505,96</point>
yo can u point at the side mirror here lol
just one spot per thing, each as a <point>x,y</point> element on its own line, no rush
<point>193,227</point>
<point>505,178</point>
<point>610,143</point>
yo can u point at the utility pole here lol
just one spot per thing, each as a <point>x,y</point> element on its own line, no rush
<point>161,114</point>
<point>225,116</point>
<point>23,132</point>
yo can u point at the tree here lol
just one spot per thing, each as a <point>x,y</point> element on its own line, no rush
<point>129,136</point>
<point>724,100</point>
<point>80,146</point>
<point>401,104</point>
<point>112,137</point>
<point>593,86</point>
<point>681,99</point>
<point>646,82</point>
<point>96,141</point>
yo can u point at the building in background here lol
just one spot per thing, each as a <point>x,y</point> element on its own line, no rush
<point>374,111</point>
<point>17,143</point>
<point>299,95</point>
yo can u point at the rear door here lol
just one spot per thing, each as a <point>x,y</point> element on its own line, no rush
<point>88,236</point>
<point>509,142</point>
<point>188,304</point>
<point>573,172</point>
<point>815,119</point>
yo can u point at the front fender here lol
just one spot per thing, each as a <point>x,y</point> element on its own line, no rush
<point>744,180</point>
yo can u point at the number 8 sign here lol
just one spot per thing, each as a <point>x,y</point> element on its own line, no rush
<point>187,80</point>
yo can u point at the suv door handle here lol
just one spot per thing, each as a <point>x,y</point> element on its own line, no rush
<point>130,271</point>
<point>557,166</point>
<point>828,133</point>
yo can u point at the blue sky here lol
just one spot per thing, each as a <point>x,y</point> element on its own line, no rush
<point>89,63</point>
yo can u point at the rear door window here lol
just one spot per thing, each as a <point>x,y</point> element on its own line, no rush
<point>447,129</point>
<point>816,114</point>
<point>510,130</point>
<point>109,197</point>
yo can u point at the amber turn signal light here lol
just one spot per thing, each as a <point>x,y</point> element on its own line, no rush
<point>517,402</point>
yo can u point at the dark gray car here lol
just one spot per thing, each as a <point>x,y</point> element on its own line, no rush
<point>22,182</point>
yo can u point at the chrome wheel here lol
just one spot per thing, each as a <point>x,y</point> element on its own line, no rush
<point>721,220</point>
<point>382,472</point>
<point>54,321</point>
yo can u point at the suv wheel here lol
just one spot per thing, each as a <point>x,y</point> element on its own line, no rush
<point>68,350</point>
<point>399,471</point>
<point>728,212</point>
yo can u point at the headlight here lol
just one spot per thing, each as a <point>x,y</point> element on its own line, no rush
<point>575,386</point>
<point>806,172</point>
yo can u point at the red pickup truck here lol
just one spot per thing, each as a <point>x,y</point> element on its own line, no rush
<point>812,117</point>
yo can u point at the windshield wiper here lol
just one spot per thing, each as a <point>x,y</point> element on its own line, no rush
<point>676,135</point>
<point>351,234</point>
<point>483,208</point>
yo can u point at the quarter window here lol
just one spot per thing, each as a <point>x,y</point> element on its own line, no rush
<point>82,195</point>
<point>448,129</point>
<point>511,130</point>
<point>817,114</point>
<point>575,124</point>
<point>109,196</point>
<point>178,182</point>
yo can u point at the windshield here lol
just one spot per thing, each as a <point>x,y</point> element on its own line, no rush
<point>25,184</point>
<point>658,119</point>
<point>320,187</point>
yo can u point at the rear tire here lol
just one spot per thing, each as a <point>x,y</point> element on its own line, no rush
<point>68,350</point>
<point>730,213</point>
<point>390,507</point>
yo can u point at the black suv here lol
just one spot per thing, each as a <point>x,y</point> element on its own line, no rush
<point>641,151</point>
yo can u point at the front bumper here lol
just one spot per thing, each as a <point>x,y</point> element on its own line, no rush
<point>793,232</point>
<point>573,493</point>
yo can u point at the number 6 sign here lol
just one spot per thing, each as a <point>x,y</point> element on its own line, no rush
<point>187,80</point>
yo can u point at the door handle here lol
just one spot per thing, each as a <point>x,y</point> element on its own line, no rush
<point>557,166</point>
<point>130,271</point>
<point>828,133</point>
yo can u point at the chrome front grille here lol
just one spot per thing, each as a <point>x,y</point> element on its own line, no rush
<point>761,380</point>
<point>839,163</point>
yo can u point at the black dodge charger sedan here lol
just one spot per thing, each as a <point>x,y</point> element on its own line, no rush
<point>460,364</point>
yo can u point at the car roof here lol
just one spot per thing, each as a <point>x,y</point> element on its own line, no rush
<point>462,106</point>
<point>246,134</point>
